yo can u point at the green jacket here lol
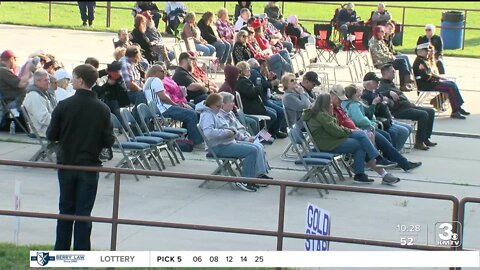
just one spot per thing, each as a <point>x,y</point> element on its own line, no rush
<point>326,133</point>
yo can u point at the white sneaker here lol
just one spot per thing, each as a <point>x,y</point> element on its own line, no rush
<point>245,187</point>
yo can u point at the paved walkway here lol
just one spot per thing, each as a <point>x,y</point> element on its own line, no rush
<point>449,168</point>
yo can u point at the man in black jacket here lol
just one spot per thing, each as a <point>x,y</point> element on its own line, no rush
<point>402,108</point>
<point>82,127</point>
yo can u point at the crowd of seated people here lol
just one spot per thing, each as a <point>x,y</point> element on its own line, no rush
<point>342,122</point>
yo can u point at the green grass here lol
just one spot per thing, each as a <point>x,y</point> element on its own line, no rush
<point>67,16</point>
<point>18,257</point>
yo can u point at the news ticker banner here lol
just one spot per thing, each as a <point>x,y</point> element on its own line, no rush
<point>254,259</point>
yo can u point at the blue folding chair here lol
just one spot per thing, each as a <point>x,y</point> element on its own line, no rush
<point>133,152</point>
<point>315,166</point>
<point>157,144</point>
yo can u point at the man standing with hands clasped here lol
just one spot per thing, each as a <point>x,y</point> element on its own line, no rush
<point>82,127</point>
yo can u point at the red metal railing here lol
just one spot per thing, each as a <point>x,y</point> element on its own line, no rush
<point>280,234</point>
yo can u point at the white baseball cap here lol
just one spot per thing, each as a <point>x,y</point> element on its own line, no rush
<point>62,74</point>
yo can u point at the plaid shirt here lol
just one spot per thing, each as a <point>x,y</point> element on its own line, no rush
<point>130,73</point>
<point>225,29</point>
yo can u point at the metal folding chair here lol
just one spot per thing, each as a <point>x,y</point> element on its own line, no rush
<point>287,154</point>
<point>209,60</point>
<point>313,54</point>
<point>160,120</point>
<point>259,117</point>
<point>157,144</point>
<point>335,157</point>
<point>5,111</point>
<point>46,148</point>
<point>133,152</point>
<point>147,118</point>
<point>224,163</point>
<point>314,166</point>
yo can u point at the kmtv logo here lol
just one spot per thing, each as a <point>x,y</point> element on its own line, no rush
<point>445,235</point>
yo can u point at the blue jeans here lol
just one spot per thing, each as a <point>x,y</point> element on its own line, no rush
<point>280,25</point>
<point>137,97</point>
<point>83,6</point>
<point>207,49</point>
<point>170,55</point>
<point>77,197</point>
<point>402,67</point>
<point>399,132</point>
<point>189,117</point>
<point>344,31</point>
<point>288,46</point>
<point>280,115</point>
<point>243,151</point>
<point>407,60</point>
<point>389,152</point>
<point>359,145</point>
<point>280,63</point>
<point>425,118</point>
<point>261,160</point>
<point>274,123</point>
<point>223,50</point>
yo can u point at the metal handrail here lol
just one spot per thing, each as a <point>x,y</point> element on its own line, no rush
<point>279,233</point>
<point>461,215</point>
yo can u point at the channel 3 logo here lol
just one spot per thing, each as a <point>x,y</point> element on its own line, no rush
<point>447,235</point>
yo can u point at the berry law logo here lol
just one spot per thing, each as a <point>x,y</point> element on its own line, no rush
<point>42,258</point>
<point>445,235</point>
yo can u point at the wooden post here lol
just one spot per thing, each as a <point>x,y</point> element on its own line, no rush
<point>49,11</point>
<point>464,31</point>
<point>109,10</point>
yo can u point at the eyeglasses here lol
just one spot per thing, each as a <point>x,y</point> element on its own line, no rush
<point>428,30</point>
<point>293,80</point>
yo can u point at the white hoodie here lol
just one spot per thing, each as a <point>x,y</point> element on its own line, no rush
<point>215,129</point>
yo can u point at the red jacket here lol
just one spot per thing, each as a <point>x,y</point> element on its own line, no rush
<point>342,118</point>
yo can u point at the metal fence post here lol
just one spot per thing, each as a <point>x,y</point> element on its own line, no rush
<point>281,217</point>
<point>116,202</point>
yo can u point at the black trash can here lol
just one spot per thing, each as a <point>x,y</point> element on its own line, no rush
<point>452,29</point>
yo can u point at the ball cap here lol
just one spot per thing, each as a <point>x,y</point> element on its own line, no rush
<point>114,66</point>
<point>339,91</point>
<point>312,77</point>
<point>62,74</point>
<point>7,54</point>
<point>423,46</point>
<point>185,55</point>
<point>371,76</point>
